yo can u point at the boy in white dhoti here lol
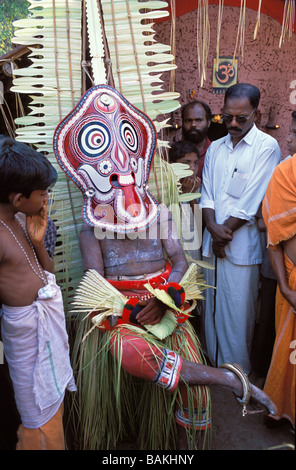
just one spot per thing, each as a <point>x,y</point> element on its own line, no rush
<point>33,325</point>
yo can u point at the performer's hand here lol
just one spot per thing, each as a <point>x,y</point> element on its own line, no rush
<point>152,312</point>
<point>36,225</point>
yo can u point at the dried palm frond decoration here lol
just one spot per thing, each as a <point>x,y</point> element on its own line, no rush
<point>204,30</point>
<point>55,34</point>
<point>137,59</point>
<point>96,43</point>
<point>257,25</point>
<point>288,22</point>
<point>203,38</point>
<point>240,37</point>
<point>219,25</point>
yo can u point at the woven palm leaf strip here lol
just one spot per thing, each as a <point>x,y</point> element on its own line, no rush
<point>135,55</point>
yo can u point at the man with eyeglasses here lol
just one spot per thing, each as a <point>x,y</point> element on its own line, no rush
<point>236,173</point>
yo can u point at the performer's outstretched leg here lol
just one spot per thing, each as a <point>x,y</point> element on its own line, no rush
<point>194,374</point>
<point>169,370</point>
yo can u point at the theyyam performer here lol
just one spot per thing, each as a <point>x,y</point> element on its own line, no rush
<point>139,365</point>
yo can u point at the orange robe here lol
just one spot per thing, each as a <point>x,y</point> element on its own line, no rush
<point>279,213</point>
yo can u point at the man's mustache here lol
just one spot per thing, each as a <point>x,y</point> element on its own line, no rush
<point>195,131</point>
<point>234,129</point>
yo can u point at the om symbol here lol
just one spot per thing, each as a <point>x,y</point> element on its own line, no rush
<point>225,73</point>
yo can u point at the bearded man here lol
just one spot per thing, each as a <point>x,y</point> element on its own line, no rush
<point>196,120</point>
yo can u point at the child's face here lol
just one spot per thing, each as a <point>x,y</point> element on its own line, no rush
<point>190,159</point>
<point>34,203</point>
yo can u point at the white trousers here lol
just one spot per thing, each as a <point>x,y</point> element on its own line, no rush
<point>230,312</point>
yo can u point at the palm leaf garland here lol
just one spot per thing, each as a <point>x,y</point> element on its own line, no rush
<point>190,284</point>
<point>219,25</point>
<point>97,296</point>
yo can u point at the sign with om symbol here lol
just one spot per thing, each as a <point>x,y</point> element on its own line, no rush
<point>224,73</point>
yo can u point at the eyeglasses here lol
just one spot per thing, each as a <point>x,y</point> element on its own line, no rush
<point>239,119</point>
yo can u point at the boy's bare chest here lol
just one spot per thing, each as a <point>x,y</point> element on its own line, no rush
<point>16,249</point>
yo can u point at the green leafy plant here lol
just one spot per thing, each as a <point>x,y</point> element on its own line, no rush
<point>10,11</point>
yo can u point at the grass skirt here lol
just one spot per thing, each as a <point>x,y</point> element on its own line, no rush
<point>112,406</point>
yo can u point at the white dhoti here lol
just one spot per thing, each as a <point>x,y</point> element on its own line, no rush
<point>37,351</point>
<point>230,312</point>
<point>191,230</point>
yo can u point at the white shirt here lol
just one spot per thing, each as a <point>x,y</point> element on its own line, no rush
<point>234,184</point>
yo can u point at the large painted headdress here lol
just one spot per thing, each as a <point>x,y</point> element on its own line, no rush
<point>106,146</point>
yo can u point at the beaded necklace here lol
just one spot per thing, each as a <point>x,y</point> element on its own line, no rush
<point>38,274</point>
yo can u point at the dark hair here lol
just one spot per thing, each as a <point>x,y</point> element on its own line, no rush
<point>23,169</point>
<point>244,90</point>
<point>191,104</point>
<point>294,114</point>
<point>180,149</point>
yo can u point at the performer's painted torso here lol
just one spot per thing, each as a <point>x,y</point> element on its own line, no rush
<point>132,257</point>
